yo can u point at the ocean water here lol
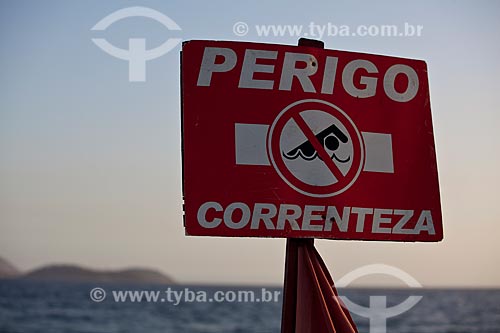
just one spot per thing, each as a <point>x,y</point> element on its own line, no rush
<point>29,307</point>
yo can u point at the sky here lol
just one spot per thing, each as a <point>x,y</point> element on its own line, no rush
<point>90,163</point>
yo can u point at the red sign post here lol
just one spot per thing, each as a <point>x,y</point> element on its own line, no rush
<point>301,142</point>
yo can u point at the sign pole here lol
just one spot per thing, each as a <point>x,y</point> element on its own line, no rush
<point>290,287</point>
<point>288,314</point>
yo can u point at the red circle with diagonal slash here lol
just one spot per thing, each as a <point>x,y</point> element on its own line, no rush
<point>293,112</point>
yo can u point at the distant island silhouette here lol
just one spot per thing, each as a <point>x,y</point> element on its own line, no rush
<point>75,273</point>
<point>7,270</point>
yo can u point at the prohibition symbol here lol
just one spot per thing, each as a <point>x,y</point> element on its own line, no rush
<point>316,148</point>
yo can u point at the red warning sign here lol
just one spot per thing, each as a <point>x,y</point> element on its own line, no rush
<point>295,141</point>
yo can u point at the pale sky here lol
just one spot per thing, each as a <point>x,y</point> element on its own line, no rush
<point>90,163</point>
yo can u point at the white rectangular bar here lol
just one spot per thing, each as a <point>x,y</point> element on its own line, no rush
<point>250,144</point>
<point>378,150</point>
<point>251,148</point>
